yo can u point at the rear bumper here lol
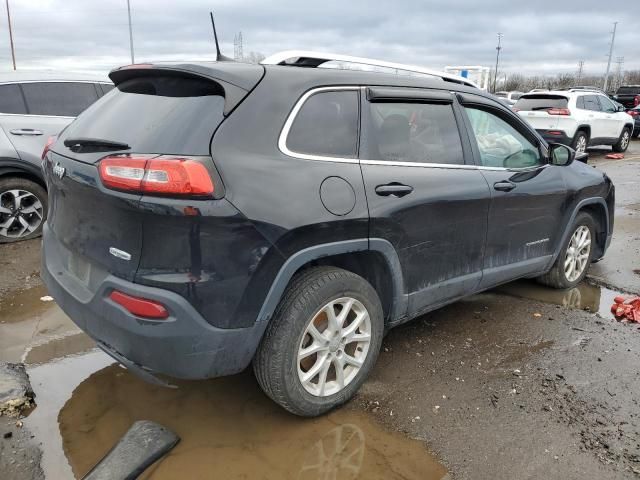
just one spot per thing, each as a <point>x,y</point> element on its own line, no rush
<point>563,138</point>
<point>182,346</point>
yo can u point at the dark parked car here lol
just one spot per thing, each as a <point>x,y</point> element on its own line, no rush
<point>635,113</point>
<point>207,216</point>
<point>628,95</point>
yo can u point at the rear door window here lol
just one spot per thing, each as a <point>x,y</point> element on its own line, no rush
<point>326,125</point>
<point>155,114</point>
<point>11,100</point>
<point>64,99</point>
<point>411,132</point>
<point>591,103</point>
<point>580,102</point>
<point>540,102</point>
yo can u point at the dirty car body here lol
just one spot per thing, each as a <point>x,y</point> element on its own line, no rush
<point>299,179</point>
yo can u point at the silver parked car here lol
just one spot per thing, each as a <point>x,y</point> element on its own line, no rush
<point>33,107</point>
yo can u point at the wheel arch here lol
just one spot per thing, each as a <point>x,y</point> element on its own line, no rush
<point>597,208</point>
<point>583,128</point>
<point>374,259</point>
<point>21,169</point>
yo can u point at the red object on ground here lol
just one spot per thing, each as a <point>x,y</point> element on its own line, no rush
<point>626,309</point>
<point>615,156</point>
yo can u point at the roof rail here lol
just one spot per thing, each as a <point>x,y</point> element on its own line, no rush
<point>305,58</point>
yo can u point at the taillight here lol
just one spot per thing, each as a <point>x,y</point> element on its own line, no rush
<point>633,113</point>
<point>141,307</point>
<point>47,146</point>
<point>636,100</point>
<point>558,111</point>
<point>156,175</point>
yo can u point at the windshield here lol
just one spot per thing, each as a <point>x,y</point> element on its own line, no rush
<point>155,114</point>
<point>540,102</point>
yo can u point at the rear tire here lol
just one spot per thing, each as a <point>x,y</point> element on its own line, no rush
<point>23,209</point>
<point>301,324</point>
<point>580,142</point>
<point>573,253</point>
<point>623,142</point>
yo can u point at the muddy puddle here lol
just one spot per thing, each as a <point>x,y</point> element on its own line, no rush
<point>228,429</point>
<point>37,331</point>
<point>585,296</point>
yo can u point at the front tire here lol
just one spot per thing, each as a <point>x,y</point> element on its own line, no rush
<point>574,259</point>
<point>322,342</point>
<point>623,142</point>
<point>23,209</point>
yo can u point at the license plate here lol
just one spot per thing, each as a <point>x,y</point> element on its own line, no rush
<point>80,268</point>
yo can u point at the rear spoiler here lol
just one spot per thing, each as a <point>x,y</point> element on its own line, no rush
<point>236,79</point>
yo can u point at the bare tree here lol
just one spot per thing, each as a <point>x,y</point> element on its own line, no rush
<point>254,57</point>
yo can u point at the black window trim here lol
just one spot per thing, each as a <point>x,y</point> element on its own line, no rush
<point>26,105</point>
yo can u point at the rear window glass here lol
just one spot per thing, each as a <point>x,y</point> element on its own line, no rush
<point>540,102</point>
<point>160,114</point>
<point>65,99</point>
<point>105,87</point>
<point>11,100</point>
<point>326,125</point>
<point>411,132</point>
<point>628,91</point>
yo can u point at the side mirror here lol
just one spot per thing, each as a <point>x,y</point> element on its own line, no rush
<point>561,155</point>
<point>621,108</point>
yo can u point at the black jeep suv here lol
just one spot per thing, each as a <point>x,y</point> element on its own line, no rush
<point>203,217</point>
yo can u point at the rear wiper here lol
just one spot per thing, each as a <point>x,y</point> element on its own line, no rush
<point>534,108</point>
<point>94,143</point>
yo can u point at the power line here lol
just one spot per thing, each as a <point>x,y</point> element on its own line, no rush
<point>613,39</point>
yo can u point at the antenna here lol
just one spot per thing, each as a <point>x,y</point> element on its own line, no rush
<point>219,56</point>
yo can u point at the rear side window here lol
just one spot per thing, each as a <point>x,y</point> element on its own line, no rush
<point>411,132</point>
<point>11,100</point>
<point>326,125</point>
<point>104,87</point>
<point>158,114</point>
<point>540,102</point>
<point>65,99</point>
<point>628,91</point>
<point>591,103</point>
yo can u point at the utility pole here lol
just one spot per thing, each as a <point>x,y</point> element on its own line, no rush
<point>130,32</point>
<point>613,39</point>
<point>619,72</point>
<point>238,53</point>
<point>580,70</point>
<point>498,48</point>
<point>13,52</point>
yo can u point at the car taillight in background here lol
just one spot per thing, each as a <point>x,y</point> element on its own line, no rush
<point>156,175</point>
<point>558,111</point>
<point>47,146</point>
<point>636,100</point>
<point>633,113</point>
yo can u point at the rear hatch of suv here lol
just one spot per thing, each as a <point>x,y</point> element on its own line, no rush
<point>544,111</point>
<point>150,135</point>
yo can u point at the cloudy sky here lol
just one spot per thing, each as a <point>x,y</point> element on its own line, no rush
<point>540,36</point>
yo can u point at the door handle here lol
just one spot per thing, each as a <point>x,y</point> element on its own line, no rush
<point>504,186</point>
<point>25,131</point>
<point>394,188</point>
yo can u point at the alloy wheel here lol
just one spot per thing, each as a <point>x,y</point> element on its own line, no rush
<point>20,213</point>
<point>578,253</point>
<point>624,141</point>
<point>581,145</point>
<point>334,347</point>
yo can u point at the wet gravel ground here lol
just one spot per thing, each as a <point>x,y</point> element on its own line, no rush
<point>497,387</point>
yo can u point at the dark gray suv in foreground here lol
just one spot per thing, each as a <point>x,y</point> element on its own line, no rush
<point>203,217</point>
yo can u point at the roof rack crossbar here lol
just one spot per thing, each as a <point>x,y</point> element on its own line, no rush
<point>309,59</point>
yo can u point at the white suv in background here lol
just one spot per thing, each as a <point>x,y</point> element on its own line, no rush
<point>577,117</point>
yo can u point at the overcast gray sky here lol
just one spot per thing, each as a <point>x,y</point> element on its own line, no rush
<point>539,36</point>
